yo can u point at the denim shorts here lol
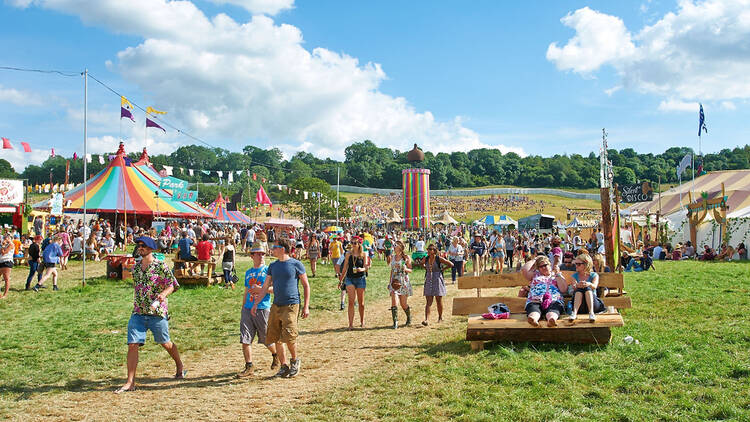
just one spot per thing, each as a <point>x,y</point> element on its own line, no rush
<point>357,282</point>
<point>139,324</point>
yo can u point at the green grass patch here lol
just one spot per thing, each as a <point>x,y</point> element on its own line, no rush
<point>691,363</point>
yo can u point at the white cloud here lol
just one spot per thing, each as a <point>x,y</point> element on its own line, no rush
<point>612,90</point>
<point>599,39</point>
<point>677,105</point>
<point>268,7</point>
<point>19,98</point>
<point>222,79</point>
<point>699,52</point>
<point>728,105</point>
<point>19,159</point>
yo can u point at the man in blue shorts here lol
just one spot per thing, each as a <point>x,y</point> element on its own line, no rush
<point>153,282</point>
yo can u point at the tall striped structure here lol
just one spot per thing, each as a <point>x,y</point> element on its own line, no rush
<point>416,191</point>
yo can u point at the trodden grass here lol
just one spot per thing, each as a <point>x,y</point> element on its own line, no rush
<point>691,363</point>
<point>66,340</point>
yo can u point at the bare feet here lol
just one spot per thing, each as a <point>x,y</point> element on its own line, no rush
<point>125,388</point>
<point>532,321</point>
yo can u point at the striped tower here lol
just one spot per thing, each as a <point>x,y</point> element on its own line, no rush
<point>416,191</point>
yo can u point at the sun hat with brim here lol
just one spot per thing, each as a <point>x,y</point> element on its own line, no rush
<point>146,241</point>
<point>257,248</point>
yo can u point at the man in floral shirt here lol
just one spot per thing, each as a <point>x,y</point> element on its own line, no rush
<point>153,282</point>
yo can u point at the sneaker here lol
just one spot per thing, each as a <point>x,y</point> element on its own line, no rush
<point>247,372</point>
<point>36,288</point>
<point>275,363</point>
<point>54,288</point>
<point>293,368</point>
<point>573,317</point>
<point>42,286</point>
<point>592,317</point>
<point>341,307</point>
<point>283,372</point>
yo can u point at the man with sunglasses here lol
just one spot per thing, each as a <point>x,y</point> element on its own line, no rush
<point>283,276</point>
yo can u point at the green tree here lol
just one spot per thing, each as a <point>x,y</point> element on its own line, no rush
<point>307,209</point>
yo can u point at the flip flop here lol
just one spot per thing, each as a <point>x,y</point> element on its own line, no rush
<point>124,390</point>
<point>180,376</point>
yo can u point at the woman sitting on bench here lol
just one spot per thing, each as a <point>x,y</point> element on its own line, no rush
<point>544,297</point>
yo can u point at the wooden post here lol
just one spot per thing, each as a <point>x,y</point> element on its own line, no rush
<point>607,227</point>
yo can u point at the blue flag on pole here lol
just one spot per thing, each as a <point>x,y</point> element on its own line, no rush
<point>701,121</point>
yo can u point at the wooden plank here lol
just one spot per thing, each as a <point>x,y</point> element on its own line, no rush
<point>593,335</point>
<point>516,279</point>
<point>476,322</point>
<point>477,345</point>
<point>478,305</point>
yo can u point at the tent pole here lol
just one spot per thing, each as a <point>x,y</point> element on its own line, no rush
<point>85,181</point>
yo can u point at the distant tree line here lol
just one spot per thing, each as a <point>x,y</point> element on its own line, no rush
<point>368,165</point>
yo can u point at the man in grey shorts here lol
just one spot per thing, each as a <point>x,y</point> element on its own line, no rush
<point>252,325</point>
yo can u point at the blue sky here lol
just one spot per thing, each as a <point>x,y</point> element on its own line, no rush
<point>319,75</point>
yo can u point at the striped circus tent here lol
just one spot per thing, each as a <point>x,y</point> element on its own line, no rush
<point>123,187</point>
<point>147,169</point>
<point>736,188</point>
<point>736,185</point>
<point>218,209</point>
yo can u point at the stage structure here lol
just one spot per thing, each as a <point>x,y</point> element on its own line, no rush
<point>416,192</point>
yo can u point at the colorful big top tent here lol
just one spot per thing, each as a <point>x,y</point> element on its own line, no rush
<point>123,187</point>
<point>219,210</point>
<point>736,189</point>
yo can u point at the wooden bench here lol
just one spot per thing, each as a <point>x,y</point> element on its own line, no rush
<point>23,260</point>
<point>183,276</point>
<point>516,328</point>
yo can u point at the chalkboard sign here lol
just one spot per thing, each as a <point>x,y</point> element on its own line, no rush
<point>642,192</point>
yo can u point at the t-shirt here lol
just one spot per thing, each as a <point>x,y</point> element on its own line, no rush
<point>257,277</point>
<point>285,275</point>
<point>420,245</point>
<point>16,246</point>
<point>184,245</point>
<point>204,249</point>
<point>477,248</point>
<point>335,249</point>
<point>510,243</point>
<point>34,252</point>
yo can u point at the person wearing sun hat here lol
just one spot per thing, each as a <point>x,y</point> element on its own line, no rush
<point>153,281</point>
<point>252,325</point>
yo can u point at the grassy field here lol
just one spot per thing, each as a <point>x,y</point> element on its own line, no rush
<point>691,363</point>
<point>57,341</point>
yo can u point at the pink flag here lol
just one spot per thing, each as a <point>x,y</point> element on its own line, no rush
<point>26,147</point>
<point>262,197</point>
<point>6,144</point>
<point>52,154</point>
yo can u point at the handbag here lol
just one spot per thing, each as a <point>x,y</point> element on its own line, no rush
<point>234,276</point>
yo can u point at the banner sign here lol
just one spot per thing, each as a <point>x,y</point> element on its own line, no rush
<point>185,195</point>
<point>56,204</point>
<point>173,183</point>
<point>637,193</point>
<point>11,191</point>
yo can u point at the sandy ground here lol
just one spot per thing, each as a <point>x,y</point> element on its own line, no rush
<point>330,355</point>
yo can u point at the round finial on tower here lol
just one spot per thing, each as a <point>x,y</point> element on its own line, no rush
<point>415,155</point>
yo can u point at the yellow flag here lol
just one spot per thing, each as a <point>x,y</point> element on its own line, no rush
<point>124,102</point>
<point>151,110</point>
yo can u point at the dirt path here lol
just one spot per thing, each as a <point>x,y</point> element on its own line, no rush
<point>329,354</point>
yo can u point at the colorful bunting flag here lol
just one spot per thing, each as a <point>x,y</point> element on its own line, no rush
<point>151,110</point>
<point>6,144</point>
<point>52,154</point>
<point>151,123</point>
<point>101,159</point>
<point>26,147</point>
<point>255,176</point>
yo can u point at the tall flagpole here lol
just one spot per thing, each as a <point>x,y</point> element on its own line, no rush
<point>85,169</point>
<point>338,181</point>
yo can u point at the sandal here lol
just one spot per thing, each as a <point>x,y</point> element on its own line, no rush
<point>124,390</point>
<point>425,323</point>
<point>181,376</point>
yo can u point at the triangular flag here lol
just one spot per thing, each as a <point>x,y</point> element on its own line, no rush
<point>190,171</point>
<point>305,195</point>
<point>239,172</point>
<point>52,154</point>
<point>220,173</point>
<point>26,147</point>
<point>230,179</point>
<point>6,144</point>
<point>206,172</point>
<point>151,110</point>
<point>88,158</point>
<point>168,169</point>
<point>264,180</point>
<point>101,159</point>
<point>296,191</point>
<point>151,123</point>
<point>75,156</point>
<point>262,197</point>
<point>182,170</point>
<point>255,176</point>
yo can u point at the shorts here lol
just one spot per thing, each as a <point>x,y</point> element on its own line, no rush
<point>584,308</point>
<point>498,254</point>
<point>50,265</point>
<point>537,307</point>
<point>139,324</point>
<point>282,324</point>
<point>388,252</point>
<point>357,282</point>
<point>251,325</point>
<point>338,261</point>
<point>190,258</point>
<point>6,264</point>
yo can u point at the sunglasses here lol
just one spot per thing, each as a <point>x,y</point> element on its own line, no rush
<point>544,265</point>
<point>578,263</point>
<point>277,247</point>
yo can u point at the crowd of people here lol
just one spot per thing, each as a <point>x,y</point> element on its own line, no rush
<point>378,207</point>
<point>272,300</point>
